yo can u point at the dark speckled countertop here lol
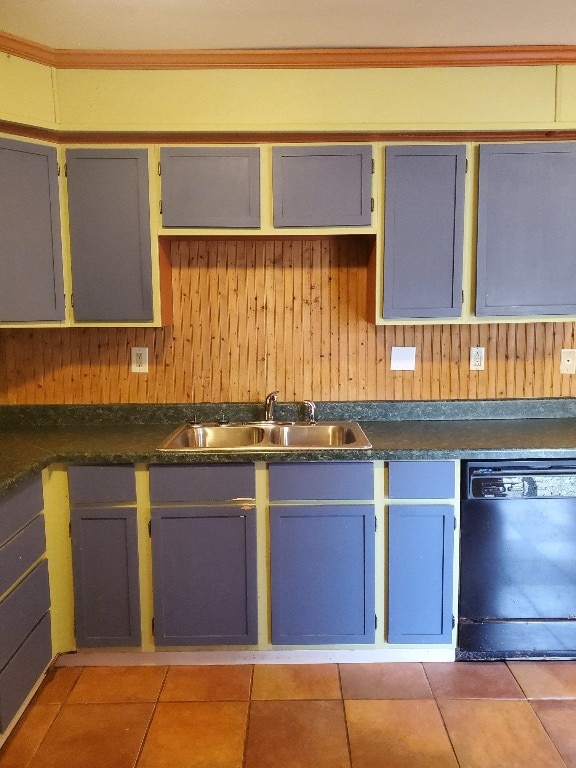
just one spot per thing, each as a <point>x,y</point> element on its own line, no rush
<point>33,437</point>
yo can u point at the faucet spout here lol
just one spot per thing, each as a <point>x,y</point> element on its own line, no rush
<point>311,411</point>
<point>269,402</point>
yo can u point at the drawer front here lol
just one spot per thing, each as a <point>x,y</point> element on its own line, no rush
<point>421,479</point>
<point>101,485</point>
<point>22,551</point>
<point>23,670</point>
<point>18,507</point>
<point>322,480</point>
<point>22,610</point>
<point>202,482</point>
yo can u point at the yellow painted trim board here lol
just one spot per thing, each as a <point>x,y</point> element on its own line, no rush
<point>59,554</point>
<point>144,556</point>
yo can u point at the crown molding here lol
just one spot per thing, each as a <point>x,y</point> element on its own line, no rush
<point>91,138</point>
<point>296,58</point>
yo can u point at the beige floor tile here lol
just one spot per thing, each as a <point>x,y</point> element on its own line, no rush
<point>296,681</point>
<point>207,683</point>
<point>297,734</point>
<point>107,685</point>
<point>498,734</point>
<point>398,734</point>
<point>546,679</point>
<point>384,681</point>
<point>472,680</point>
<point>206,734</point>
<point>559,719</point>
<point>94,736</point>
<point>27,735</point>
<point>57,685</point>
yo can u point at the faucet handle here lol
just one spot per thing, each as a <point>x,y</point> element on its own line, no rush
<point>311,411</point>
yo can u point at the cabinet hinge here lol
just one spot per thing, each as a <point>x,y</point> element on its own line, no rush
<point>372,204</point>
<point>72,300</point>
<point>455,523</point>
<point>159,169</point>
<point>462,295</point>
<point>70,530</point>
<point>150,528</point>
<point>466,166</point>
<point>160,206</point>
<point>375,524</point>
<point>373,166</point>
<point>58,168</point>
<point>66,170</point>
<point>152,624</point>
<point>375,621</point>
<point>453,621</point>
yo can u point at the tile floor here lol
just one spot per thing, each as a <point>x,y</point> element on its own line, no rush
<point>466,715</point>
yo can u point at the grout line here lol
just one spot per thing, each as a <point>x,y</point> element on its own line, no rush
<point>345,716</point>
<point>147,730</point>
<point>441,716</point>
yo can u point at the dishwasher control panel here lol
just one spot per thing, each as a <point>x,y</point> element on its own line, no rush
<point>515,480</point>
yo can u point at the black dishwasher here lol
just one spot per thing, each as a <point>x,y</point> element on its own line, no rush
<point>518,560</point>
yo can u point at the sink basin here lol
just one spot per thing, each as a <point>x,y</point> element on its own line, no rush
<point>266,436</point>
<point>190,437</point>
<point>323,435</point>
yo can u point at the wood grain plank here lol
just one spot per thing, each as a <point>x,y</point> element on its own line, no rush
<point>252,315</point>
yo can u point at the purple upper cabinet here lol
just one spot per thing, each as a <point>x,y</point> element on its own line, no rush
<point>326,186</point>
<point>526,229</point>
<point>109,209</point>
<point>423,235</point>
<point>31,287</point>
<point>210,186</point>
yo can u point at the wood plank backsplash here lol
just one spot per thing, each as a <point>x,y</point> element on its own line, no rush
<point>252,315</point>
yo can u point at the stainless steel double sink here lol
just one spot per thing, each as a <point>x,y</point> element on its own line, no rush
<point>266,436</point>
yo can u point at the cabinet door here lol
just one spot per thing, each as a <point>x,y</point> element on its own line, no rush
<point>109,209</point>
<point>322,186</point>
<point>424,226</point>
<point>23,670</point>
<point>210,187</point>
<point>190,483</point>
<point>322,480</point>
<point>422,479</point>
<point>526,229</point>
<point>420,558</point>
<point>102,485</point>
<point>21,552</point>
<point>204,575</point>
<point>322,574</point>
<point>31,287</point>
<point>106,582</point>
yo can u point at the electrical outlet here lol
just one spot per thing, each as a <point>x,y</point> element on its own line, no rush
<point>476,358</point>
<point>139,357</point>
<point>568,361</point>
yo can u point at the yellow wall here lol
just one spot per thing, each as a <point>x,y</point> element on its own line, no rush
<point>326,99</point>
<point>503,97</point>
<point>26,92</point>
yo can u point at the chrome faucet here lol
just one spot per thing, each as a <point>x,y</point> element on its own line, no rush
<point>310,411</point>
<point>269,405</point>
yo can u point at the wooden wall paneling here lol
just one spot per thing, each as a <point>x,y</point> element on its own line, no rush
<point>287,313</point>
<point>307,332</point>
<point>325,360</point>
<point>566,342</point>
<point>555,346</point>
